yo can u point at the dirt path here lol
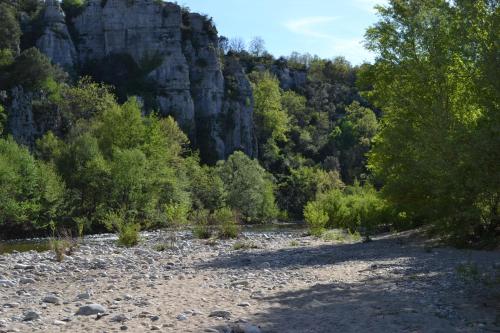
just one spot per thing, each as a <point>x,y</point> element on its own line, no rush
<point>288,284</point>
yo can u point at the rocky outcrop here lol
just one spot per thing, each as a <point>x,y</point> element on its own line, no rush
<point>187,77</point>
<point>56,41</point>
<point>238,109</point>
<point>201,49</point>
<point>290,79</point>
<point>31,115</point>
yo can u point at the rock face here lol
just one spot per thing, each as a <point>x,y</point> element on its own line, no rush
<point>290,79</point>
<point>31,116</point>
<point>56,41</point>
<point>187,75</point>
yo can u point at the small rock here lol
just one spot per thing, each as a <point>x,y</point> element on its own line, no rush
<point>26,280</point>
<point>52,299</point>
<point>58,323</point>
<point>123,328</point>
<point>83,296</point>
<point>242,283</point>
<point>6,283</point>
<point>246,328</point>
<point>119,318</point>
<point>21,266</point>
<point>220,314</point>
<point>89,310</point>
<point>31,315</point>
<point>155,328</point>
<point>182,317</point>
<point>244,305</point>
<point>155,318</point>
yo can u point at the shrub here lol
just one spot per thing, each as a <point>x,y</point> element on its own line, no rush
<point>340,236</point>
<point>31,193</point>
<point>227,224</point>
<point>73,8</point>
<point>10,31</point>
<point>202,228</point>
<point>82,223</point>
<point>128,232</point>
<point>177,215</point>
<point>244,246</point>
<point>357,208</point>
<point>128,235</point>
<point>316,218</point>
<point>250,189</point>
<point>59,247</point>
<point>32,69</point>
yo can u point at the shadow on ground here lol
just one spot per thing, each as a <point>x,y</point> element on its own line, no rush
<point>387,248</point>
<point>406,288</point>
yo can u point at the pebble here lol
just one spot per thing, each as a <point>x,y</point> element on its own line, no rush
<point>182,317</point>
<point>246,328</point>
<point>31,315</point>
<point>91,309</point>
<point>6,283</point>
<point>83,296</point>
<point>58,323</point>
<point>220,314</point>
<point>24,280</point>
<point>119,318</point>
<point>52,299</point>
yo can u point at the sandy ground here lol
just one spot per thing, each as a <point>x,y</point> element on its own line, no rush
<point>290,283</point>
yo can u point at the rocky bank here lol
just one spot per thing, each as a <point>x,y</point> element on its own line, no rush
<point>278,282</point>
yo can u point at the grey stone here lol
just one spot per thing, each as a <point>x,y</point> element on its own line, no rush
<point>220,314</point>
<point>31,315</point>
<point>52,299</point>
<point>26,280</point>
<point>119,318</point>
<point>181,317</point>
<point>82,296</point>
<point>6,283</point>
<point>91,309</point>
<point>246,328</point>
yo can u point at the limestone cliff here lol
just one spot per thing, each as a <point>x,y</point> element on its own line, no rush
<point>188,78</point>
<point>55,41</point>
<point>32,115</point>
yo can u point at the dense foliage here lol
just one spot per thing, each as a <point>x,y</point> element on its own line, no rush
<point>436,78</point>
<point>413,139</point>
<point>31,193</point>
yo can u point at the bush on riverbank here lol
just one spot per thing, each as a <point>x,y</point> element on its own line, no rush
<point>356,208</point>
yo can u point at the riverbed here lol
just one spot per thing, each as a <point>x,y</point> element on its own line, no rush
<point>281,281</point>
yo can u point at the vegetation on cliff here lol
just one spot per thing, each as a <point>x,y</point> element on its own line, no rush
<point>410,140</point>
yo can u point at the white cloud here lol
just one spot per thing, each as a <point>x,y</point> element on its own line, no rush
<point>332,45</point>
<point>309,26</point>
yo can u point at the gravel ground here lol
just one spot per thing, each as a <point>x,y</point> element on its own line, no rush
<point>288,283</point>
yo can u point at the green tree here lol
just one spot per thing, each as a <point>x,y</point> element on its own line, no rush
<point>302,186</point>
<point>439,140</point>
<point>33,70</point>
<point>206,187</point>
<point>354,139</point>
<point>10,31</point>
<point>250,190</point>
<point>271,121</point>
<point>119,161</point>
<point>31,193</point>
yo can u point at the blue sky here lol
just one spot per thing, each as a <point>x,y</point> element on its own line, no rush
<point>327,28</point>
